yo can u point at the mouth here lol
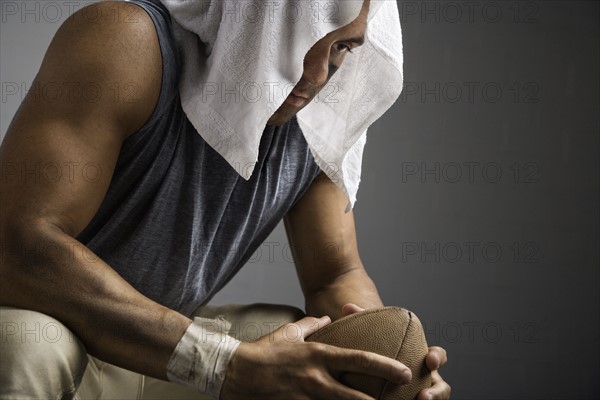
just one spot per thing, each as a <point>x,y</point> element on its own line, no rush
<point>300,93</point>
<point>297,99</point>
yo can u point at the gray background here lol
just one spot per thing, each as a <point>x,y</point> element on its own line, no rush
<point>478,207</point>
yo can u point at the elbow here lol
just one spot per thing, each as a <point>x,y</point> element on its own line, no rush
<point>26,253</point>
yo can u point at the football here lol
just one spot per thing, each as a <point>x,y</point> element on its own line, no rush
<point>390,331</point>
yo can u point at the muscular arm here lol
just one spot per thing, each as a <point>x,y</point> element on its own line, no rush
<point>323,239</point>
<point>331,274</point>
<point>43,267</point>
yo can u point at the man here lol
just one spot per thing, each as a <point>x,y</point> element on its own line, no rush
<point>121,257</point>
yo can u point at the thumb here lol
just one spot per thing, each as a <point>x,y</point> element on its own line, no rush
<point>351,308</point>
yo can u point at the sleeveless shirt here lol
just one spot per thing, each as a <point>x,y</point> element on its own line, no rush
<point>178,221</point>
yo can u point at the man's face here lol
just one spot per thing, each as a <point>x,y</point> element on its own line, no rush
<point>320,63</point>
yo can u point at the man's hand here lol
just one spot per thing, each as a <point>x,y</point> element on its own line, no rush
<point>434,360</point>
<point>282,365</point>
<point>439,389</point>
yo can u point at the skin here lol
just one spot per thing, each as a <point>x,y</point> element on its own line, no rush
<point>114,321</point>
<point>320,64</point>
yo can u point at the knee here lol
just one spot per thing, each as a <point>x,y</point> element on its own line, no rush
<point>279,313</point>
<point>252,321</point>
<point>36,348</point>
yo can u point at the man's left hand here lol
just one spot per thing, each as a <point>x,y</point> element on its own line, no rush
<point>434,360</point>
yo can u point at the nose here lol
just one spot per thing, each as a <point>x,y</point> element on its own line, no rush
<point>316,66</point>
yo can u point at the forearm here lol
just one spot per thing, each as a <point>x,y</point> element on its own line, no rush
<point>354,286</point>
<point>52,273</point>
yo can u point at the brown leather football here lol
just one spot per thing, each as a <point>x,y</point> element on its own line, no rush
<point>390,331</point>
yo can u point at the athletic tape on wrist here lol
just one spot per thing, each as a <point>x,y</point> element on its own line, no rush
<point>202,355</point>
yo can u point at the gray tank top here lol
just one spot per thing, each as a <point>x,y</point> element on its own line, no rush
<point>178,221</point>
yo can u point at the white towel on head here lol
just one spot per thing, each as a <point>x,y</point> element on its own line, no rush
<point>242,58</point>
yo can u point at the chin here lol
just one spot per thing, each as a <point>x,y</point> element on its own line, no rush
<point>275,123</point>
<point>278,120</point>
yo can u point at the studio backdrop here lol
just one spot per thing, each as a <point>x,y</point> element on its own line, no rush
<point>478,206</point>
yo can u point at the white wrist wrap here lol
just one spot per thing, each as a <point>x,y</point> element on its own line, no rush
<point>202,355</point>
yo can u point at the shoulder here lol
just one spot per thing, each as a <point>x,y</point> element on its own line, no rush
<point>112,49</point>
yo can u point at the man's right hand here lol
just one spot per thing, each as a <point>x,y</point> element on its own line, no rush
<point>282,365</point>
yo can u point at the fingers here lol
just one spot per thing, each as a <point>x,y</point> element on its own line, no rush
<point>351,308</point>
<point>439,389</point>
<point>304,327</point>
<point>436,357</point>
<point>366,363</point>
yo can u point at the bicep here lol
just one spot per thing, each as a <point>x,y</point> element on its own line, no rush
<point>322,235</point>
<point>62,146</point>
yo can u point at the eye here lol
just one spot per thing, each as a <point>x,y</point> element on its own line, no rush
<point>343,48</point>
